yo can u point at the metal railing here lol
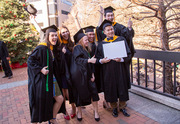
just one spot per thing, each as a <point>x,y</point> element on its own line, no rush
<point>149,71</point>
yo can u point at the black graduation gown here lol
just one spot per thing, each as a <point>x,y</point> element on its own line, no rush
<point>40,100</point>
<point>121,30</point>
<point>65,67</point>
<point>96,68</point>
<point>115,78</point>
<point>56,72</point>
<point>81,74</point>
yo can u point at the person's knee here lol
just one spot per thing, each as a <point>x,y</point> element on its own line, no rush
<point>60,99</point>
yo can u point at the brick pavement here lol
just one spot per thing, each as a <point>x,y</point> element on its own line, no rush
<point>19,74</point>
<point>14,107</point>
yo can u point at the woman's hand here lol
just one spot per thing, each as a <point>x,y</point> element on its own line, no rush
<point>44,70</point>
<point>64,50</point>
<point>105,60</point>
<point>92,60</point>
<point>117,59</point>
<point>93,77</point>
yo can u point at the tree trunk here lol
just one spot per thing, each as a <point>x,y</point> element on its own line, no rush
<point>165,47</point>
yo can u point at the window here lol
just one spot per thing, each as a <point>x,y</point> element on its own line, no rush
<point>53,20</point>
<point>52,9</point>
<point>64,12</point>
<point>66,2</point>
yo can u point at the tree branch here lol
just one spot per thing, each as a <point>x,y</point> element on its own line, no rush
<point>176,14</point>
<point>175,48</point>
<point>172,1</point>
<point>173,32</point>
<point>173,19</point>
<point>175,37</point>
<point>144,4</point>
<point>144,44</point>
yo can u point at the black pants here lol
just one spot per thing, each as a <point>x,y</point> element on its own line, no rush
<point>6,67</point>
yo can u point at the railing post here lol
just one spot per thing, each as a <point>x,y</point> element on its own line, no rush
<point>138,72</point>
<point>146,72</point>
<point>154,74</point>
<point>131,72</point>
<point>174,90</point>
<point>164,76</point>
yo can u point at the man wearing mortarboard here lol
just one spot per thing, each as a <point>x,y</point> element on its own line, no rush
<point>119,29</point>
<point>114,71</point>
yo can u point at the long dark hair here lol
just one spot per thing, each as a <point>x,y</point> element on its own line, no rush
<point>70,44</point>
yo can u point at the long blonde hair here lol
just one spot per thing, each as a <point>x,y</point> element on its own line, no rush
<point>82,44</point>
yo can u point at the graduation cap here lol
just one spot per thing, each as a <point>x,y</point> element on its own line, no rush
<point>51,28</point>
<point>104,24</point>
<point>108,9</point>
<point>89,29</point>
<point>31,10</point>
<point>78,36</point>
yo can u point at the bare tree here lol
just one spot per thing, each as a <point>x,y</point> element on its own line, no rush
<point>168,14</point>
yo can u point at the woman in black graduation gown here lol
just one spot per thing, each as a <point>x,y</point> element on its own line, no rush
<point>82,74</point>
<point>66,47</point>
<point>115,77</point>
<point>42,85</point>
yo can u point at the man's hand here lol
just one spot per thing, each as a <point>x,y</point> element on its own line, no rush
<point>117,59</point>
<point>101,10</point>
<point>105,60</point>
<point>44,70</point>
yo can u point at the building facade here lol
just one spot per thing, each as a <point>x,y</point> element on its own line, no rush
<point>51,11</point>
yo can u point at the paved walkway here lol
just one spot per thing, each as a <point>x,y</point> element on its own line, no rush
<point>14,107</point>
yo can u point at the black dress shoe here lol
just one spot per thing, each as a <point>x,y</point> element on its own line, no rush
<point>79,119</point>
<point>96,119</point>
<point>4,76</point>
<point>124,112</point>
<point>10,77</point>
<point>115,112</point>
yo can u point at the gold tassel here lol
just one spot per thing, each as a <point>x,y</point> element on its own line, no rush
<point>96,35</point>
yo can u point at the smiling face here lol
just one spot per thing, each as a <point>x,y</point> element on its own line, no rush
<point>91,36</point>
<point>85,41</point>
<point>53,38</point>
<point>109,16</point>
<point>65,33</point>
<point>109,31</point>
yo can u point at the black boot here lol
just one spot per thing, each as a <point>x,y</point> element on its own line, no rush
<point>124,112</point>
<point>115,112</point>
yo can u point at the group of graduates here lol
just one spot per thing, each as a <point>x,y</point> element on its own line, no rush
<point>60,69</point>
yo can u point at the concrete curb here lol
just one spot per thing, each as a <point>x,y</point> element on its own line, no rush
<point>156,97</point>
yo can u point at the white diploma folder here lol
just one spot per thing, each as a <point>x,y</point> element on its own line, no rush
<point>115,50</point>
